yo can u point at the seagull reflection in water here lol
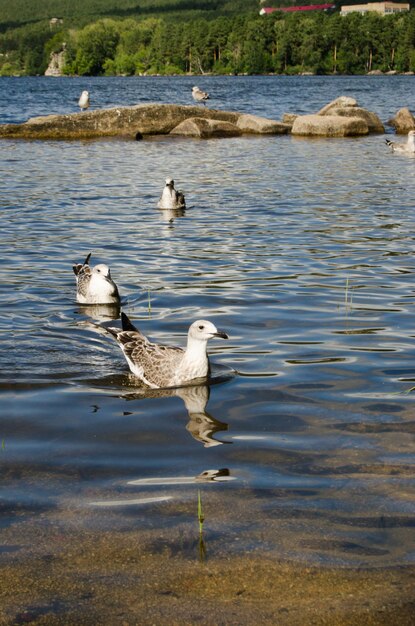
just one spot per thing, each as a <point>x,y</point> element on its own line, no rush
<point>201,425</point>
<point>207,476</point>
<point>169,215</point>
<point>100,312</point>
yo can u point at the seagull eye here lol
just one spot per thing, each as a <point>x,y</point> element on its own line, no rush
<point>201,327</point>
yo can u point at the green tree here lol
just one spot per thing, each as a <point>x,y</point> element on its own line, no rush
<point>96,43</point>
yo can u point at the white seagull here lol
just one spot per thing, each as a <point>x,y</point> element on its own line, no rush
<point>95,285</point>
<point>84,100</point>
<point>159,366</point>
<point>199,95</point>
<point>170,197</point>
<point>407,148</point>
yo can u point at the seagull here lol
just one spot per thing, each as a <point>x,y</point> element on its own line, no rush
<point>170,197</point>
<point>408,147</point>
<point>95,285</point>
<point>159,366</point>
<point>84,100</point>
<point>199,95</point>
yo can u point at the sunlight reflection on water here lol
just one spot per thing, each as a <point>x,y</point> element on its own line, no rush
<point>301,250</point>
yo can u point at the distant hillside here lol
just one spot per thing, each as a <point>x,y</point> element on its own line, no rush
<point>78,13</point>
<point>168,37</point>
<point>14,13</point>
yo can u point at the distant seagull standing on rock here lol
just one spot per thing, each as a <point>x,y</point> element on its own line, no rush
<point>199,95</point>
<point>170,197</point>
<point>84,101</point>
<point>408,147</point>
<point>95,285</point>
<point>158,365</point>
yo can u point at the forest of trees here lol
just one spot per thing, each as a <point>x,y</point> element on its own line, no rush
<point>240,43</point>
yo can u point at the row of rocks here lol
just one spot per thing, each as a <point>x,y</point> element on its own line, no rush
<point>244,124</point>
<point>142,120</point>
<point>340,118</point>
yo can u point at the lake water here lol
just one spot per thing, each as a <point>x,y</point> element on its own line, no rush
<point>302,250</point>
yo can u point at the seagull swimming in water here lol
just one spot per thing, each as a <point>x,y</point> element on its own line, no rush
<point>170,197</point>
<point>84,101</point>
<point>199,95</point>
<point>158,365</point>
<point>95,285</point>
<point>408,147</point>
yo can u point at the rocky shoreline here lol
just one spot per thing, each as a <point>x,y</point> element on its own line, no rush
<point>340,118</point>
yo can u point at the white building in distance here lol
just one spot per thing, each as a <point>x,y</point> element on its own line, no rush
<point>384,8</point>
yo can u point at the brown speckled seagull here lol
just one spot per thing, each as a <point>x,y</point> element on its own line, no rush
<point>199,95</point>
<point>158,365</point>
<point>95,285</point>
<point>170,197</point>
<point>408,147</point>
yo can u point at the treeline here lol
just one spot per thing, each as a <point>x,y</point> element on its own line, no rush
<point>291,43</point>
<point>77,13</point>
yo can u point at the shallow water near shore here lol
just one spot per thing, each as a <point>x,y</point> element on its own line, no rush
<point>302,445</point>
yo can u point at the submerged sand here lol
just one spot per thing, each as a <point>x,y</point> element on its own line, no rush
<point>56,569</point>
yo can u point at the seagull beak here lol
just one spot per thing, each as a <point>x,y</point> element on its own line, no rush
<point>221,334</point>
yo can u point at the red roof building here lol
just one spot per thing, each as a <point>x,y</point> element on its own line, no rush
<point>307,7</point>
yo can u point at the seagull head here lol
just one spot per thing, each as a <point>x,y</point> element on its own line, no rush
<point>102,271</point>
<point>202,330</point>
<point>169,182</point>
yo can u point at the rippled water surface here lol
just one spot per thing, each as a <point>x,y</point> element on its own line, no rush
<point>302,250</point>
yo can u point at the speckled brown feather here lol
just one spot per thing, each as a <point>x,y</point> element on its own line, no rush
<point>154,363</point>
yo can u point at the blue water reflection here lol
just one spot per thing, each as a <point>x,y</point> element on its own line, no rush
<point>302,250</point>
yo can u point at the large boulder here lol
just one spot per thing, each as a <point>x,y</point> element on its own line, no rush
<point>372,120</point>
<point>135,122</point>
<point>340,118</point>
<point>347,107</point>
<point>206,128</point>
<point>329,126</point>
<point>131,122</point>
<point>340,102</point>
<point>403,121</point>
<point>261,125</point>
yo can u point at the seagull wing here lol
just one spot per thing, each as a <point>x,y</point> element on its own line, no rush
<point>154,364</point>
<point>83,278</point>
<point>79,266</point>
<point>158,363</point>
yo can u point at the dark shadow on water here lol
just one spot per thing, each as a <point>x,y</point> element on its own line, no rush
<point>347,547</point>
<point>15,511</point>
<point>33,613</point>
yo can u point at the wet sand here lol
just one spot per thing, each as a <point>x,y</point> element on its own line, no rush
<point>54,569</point>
